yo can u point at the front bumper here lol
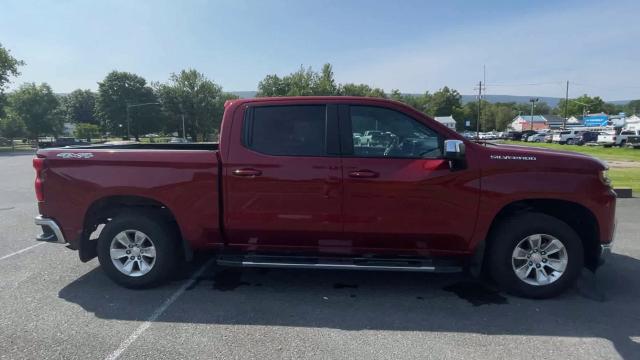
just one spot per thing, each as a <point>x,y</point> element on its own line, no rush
<point>50,230</point>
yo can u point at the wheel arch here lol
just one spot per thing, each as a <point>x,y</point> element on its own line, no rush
<point>106,208</point>
<point>577,216</point>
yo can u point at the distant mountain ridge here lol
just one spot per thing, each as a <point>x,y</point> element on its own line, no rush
<point>518,99</point>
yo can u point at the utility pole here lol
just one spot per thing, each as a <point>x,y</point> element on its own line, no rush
<point>566,102</point>
<point>479,101</point>
<point>533,104</point>
<point>184,134</point>
<point>128,126</point>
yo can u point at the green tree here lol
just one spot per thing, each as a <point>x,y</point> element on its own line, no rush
<point>118,94</point>
<point>444,102</point>
<point>418,102</point>
<point>38,108</point>
<point>272,85</point>
<point>351,89</point>
<point>87,131</point>
<point>581,105</point>
<point>79,107</point>
<point>325,84</point>
<point>306,82</point>
<point>12,127</point>
<point>8,67</point>
<point>198,99</point>
<point>632,107</point>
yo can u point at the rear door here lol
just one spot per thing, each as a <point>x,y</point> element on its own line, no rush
<point>283,180</point>
<point>400,196</point>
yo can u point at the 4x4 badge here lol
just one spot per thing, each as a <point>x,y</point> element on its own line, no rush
<point>66,155</point>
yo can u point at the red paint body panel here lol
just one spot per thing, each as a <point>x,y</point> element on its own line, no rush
<point>182,180</point>
<point>310,204</point>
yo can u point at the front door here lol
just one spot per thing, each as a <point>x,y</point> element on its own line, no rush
<point>283,185</point>
<point>400,196</point>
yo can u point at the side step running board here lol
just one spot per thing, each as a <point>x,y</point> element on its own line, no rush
<point>338,264</point>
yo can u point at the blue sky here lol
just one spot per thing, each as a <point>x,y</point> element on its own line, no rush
<point>528,47</point>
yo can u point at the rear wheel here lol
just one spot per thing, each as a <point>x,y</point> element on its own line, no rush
<point>571,142</point>
<point>137,251</point>
<point>535,255</point>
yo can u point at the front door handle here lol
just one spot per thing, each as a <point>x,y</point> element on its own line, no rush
<point>247,172</point>
<point>364,173</point>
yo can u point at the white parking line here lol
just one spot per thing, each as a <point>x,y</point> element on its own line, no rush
<point>20,251</point>
<point>156,314</point>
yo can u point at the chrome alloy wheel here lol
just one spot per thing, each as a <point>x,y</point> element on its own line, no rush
<point>539,259</point>
<point>132,253</point>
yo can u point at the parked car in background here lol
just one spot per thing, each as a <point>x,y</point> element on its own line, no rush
<point>287,187</point>
<point>539,137</point>
<point>633,141</point>
<point>513,135</point>
<point>587,137</point>
<point>527,133</point>
<point>548,137</point>
<point>608,138</point>
<point>569,137</point>
<point>624,136</point>
<point>60,142</point>
<point>372,137</point>
<point>177,140</point>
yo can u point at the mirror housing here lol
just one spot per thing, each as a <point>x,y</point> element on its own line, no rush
<point>454,150</point>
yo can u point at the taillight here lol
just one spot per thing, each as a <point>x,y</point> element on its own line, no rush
<point>614,138</point>
<point>38,165</point>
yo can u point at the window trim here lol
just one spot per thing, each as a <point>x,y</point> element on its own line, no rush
<point>331,130</point>
<point>346,135</point>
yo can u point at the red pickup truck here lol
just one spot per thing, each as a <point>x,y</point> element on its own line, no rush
<point>288,186</point>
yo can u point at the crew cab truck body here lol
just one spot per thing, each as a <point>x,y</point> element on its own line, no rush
<point>286,186</point>
<point>611,138</point>
<point>633,141</point>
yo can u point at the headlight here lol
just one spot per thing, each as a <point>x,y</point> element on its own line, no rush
<point>604,177</point>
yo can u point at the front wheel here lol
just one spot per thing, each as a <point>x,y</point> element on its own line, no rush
<point>535,255</point>
<point>137,250</point>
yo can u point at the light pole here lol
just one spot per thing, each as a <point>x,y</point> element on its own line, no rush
<point>128,120</point>
<point>533,104</point>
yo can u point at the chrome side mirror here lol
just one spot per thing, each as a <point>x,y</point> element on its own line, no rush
<point>454,149</point>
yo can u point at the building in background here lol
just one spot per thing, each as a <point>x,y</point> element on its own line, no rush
<point>632,122</point>
<point>447,121</point>
<point>527,122</point>
<point>554,121</point>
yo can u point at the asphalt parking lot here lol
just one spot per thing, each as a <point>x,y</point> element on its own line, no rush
<point>54,306</point>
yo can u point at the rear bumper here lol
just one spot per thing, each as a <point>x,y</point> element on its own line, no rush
<point>50,230</point>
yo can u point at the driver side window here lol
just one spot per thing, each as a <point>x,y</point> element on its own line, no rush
<point>381,132</point>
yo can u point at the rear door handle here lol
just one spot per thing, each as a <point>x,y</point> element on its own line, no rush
<point>247,172</point>
<point>363,174</point>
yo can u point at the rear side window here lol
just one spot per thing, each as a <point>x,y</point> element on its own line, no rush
<point>287,130</point>
<point>628,132</point>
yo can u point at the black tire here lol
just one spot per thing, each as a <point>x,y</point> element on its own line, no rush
<point>516,228</point>
<point>158,231</point>
<point>623,143</point>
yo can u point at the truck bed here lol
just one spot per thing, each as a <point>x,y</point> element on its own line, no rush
<point>181,177</point>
